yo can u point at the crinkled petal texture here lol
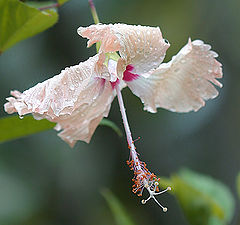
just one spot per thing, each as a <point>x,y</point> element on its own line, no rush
<point>76,99</point>
<point>184,83</point>
<point>141,46</point>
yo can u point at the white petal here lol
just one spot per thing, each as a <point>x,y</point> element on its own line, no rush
<point>184,83</point>
<point>77,99</point>
<point>85,119</point>
<point>141,46</point>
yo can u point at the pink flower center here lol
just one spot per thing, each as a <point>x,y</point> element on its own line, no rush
<point>114,83</point>
<point>128,76</point>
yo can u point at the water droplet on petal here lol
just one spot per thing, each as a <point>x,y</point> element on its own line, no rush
<point>210,71</point>
<point>77,70</point>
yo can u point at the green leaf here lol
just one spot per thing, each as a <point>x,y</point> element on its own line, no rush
<point>118,211</point>
<point>40,4</point>
<point>109,123</point>
<point>61,2</point>
<point>203,199</point>
<point>238,184</point>
<point>13,127</point>
<point>19,21</point>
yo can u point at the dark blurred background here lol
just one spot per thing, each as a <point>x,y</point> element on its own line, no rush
<point>44,182</point>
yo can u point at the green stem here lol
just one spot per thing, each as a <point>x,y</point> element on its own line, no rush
<point>95,18</point>
<point>93,11</point>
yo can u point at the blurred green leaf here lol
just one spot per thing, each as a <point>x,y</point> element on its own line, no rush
<point>203,199</point>
<point>19,21</point>
<point>109,123</point>
<point>13,127</point>
<point>238,184</point>
<point>40,4</point>
<point>61,2</point>
<point>47,4</point>
<point>120,214</point>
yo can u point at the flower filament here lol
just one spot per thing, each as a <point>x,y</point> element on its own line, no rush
<point>143,178</point>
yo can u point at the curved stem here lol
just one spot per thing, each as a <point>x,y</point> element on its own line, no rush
<point>95,18</point>
<point>93,11</point>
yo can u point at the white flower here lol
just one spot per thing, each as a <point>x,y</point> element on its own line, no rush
<point>80,96</point>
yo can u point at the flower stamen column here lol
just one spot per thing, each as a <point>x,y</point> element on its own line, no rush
<point>143,178</point>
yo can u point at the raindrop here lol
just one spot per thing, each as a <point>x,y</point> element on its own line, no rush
<point>72,88</point>
<point>166,41</point>
<point>76,84</point>
<point>210,71</point>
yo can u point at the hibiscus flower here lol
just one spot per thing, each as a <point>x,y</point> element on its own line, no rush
<point>80,96</point>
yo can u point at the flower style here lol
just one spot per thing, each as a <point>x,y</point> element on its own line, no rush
<point>80,96</point>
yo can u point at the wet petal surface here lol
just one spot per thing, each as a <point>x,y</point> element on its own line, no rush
<point>184,83</point>
<point>77,99</point>
<point>141,46</point>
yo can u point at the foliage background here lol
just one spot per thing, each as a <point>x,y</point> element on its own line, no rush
<point>43,181</point>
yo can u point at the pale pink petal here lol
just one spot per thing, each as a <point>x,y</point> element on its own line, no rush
<point>75,98</point>
<point>85,119</point>
<point>184,83</point>
<point>141,46</point>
